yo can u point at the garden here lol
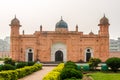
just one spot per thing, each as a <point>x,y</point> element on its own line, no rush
<point>93,70</point>
<point>12,70</point>
<point>90,71</point>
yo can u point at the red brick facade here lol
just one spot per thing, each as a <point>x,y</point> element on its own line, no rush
<point>61,44</point>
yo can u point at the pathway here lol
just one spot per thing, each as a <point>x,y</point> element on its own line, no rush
<point>39,74</point>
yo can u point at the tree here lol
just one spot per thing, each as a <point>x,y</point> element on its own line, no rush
<point>113,63</point>
<point>93,62</point>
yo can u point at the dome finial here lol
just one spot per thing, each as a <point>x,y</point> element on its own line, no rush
<point>104,14</point>
<point>61,18</point>
<point>15,15</point>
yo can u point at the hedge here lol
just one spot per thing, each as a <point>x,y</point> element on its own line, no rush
<point>19,73</point>
<point>55,73</point>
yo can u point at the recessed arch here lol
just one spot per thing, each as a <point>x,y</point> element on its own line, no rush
<point>29,54</point>
<point>88,54</point>
<point>58,47</point>
<point>58,56</point>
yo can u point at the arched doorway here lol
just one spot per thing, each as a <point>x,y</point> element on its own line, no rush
<point>59,56</point>
<point>88,54</point>
<point>29,55</point>
<point>58,48</point>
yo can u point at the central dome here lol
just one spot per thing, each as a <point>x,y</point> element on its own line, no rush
<point>61,24</point>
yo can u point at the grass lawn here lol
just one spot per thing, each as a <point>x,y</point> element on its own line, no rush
<point>105,76</point>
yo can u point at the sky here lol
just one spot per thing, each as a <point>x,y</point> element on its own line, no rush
<point>84,13</point>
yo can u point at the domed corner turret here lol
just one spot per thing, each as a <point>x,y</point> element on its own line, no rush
<point>15,22</point>
<point>104,21</point>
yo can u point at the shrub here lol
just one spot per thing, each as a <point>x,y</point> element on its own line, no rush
<point>8,75</point>
<point>19,73</point>
<point>69,73</point>
<point>1,67</point>
<point>70,64</point>
<point>30,63</point>
<point>9,61</point>
<point>93,62</point>
<point>113,63</point>
<point>55,73</point>
<point>8,67</point>
<point>21,64</point>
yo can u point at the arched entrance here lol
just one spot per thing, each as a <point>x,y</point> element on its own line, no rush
<point>59,56</point>
<point>29,55</point>
<point>58,52</point>
<point>88,54</point>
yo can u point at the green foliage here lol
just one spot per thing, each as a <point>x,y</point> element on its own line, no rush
<point>1,59</point>
<point>8,67</point>
<point>55,73</point>
<point>9,61</point>
<point>70,70</point>
<point>113,63</point>
<point>73,78</point>
<point>105,76</point>
<point>93,62</point>
<point>30,63</point>
<point>9,75</point>
<point>70,64</point>
<point>21,64</point>
<point>69,73</point>
<point>19,73</point>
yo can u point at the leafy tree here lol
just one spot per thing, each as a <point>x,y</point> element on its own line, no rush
<point>113,63</point>
<point>93,62</point>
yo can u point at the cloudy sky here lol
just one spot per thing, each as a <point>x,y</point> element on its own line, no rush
<point>85,13</point>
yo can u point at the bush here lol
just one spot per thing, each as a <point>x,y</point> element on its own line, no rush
<point>70,64</point>
<point>9,61</point>
<point>73,78</point>
<point>69,73</point>
<point>113,63</point>
<point>8,75</point>
<point>21,64</point>
<point>93,62</point>
<point>30,63</point>
<point>55,73</point>
<point>19,73</point>
<point>8,67</point>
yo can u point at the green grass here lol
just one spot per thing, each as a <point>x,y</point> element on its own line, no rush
<point>105,76</point>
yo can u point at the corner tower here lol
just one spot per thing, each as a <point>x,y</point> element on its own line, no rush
<point>61,26</point>
<point>104,26</point>
<point>15,25</point>
<point>14,39</point>
<point>104,38</point>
